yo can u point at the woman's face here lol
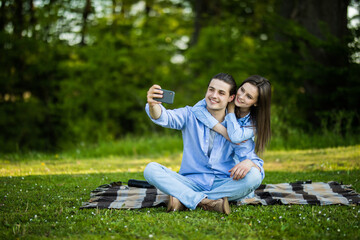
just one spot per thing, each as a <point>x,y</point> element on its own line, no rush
<point>246,96</point>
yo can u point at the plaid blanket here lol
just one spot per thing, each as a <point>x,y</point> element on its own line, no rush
<point>120,196</point>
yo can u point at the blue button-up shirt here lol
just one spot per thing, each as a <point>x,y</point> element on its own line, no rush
<point>196,164</point>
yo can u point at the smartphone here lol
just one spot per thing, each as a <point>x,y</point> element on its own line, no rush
<point>168,97</point>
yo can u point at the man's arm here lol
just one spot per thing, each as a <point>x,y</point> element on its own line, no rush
<point>175,119</point>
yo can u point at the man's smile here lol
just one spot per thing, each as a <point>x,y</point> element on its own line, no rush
<point>213,101</point>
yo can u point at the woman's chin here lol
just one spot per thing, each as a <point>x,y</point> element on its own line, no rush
<point>237,104</point>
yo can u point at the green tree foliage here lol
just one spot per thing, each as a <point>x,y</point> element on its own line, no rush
<point>78,71</point>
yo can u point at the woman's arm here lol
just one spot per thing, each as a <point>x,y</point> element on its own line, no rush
<point>203,115</point>
<point>222,130</point>
<point>237,133</point>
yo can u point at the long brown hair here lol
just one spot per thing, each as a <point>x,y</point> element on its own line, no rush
<point>260,114</point>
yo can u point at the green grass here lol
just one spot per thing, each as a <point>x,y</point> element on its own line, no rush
<point>40,198</point>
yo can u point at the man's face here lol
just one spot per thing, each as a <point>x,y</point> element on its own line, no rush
<point>218,95</point>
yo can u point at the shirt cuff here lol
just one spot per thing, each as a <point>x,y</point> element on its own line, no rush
<point>161,119</point>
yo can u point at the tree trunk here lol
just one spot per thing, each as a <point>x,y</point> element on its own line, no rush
<point>310,13</point>
<point>32,23</point>
<point>86,13</point>
<point>321,18</point>
<point>2,16</point>
<point>199,10</point>
<point>18,18</point>
<point>207,12</point>
<point>148,6</point>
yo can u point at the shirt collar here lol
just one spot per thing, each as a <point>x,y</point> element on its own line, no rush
<point>245,119</point>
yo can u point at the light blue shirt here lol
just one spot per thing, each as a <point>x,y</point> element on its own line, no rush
<point>196,164</point>
<point>238,129</point>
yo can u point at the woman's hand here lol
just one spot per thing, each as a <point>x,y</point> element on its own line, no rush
<point>231,107</point>
<point>240,170</point>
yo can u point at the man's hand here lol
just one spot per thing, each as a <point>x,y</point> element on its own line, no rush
<point>154,92</point>
<point>154,107</point>
<point>240,170</point>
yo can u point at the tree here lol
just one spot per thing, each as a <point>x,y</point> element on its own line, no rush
<point>323,49</point>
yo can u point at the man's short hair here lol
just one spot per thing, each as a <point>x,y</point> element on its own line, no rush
<point>228,79</point>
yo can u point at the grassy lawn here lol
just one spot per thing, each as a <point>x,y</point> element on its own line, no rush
<point>40,196</point>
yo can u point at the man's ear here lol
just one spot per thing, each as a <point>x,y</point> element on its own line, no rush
<point>231,98</point>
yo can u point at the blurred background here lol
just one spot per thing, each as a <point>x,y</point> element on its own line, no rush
<point>77,71</point>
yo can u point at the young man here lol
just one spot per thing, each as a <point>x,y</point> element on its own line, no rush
<point>209,175</point>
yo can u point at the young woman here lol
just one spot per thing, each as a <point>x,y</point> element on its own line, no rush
<point>248,115</point>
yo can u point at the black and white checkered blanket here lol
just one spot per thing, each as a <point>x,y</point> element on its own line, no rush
<point>120,196</point>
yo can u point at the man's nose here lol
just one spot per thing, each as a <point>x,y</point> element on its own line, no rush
<point>215,95</point>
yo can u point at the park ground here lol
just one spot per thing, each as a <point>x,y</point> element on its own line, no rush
<point>40,196</point>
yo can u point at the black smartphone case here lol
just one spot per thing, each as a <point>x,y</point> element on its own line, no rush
<point>168,97</point>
